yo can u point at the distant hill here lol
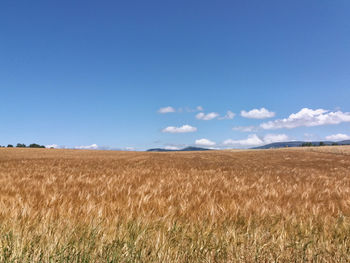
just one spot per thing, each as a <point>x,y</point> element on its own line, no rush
<point>299,144</point>
<point>187,149</point>
<point>267,146</point>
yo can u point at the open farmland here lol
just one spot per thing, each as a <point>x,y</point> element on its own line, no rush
<point>217,206</point>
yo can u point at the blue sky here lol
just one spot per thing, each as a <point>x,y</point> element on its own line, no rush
<point>80,73</point>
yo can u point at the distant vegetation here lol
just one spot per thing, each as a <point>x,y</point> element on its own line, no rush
<point>22,145</point>
<point>307,144</point>
<point>302,144</point>
<point>34,145</point>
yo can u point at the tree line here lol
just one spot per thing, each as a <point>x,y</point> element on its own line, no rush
<point>22,145</point>
<point>309,144</point>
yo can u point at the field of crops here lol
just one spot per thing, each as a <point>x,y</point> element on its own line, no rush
<point>218,206</point>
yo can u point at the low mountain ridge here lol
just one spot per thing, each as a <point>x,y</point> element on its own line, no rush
<point>187,149</point>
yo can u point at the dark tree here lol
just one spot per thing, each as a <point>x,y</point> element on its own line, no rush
<point>21,145</point>
<point>35,145</point>
<point>10,146</point>
<point>306,144</point>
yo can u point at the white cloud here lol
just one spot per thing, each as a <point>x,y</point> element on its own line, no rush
<point>271,138</point>
<point>52,146</point>
<point>257,114</point>
<point>255,140</point>
<point>205,142</point>
<point>87,147</point>
<point>229,116</point>
<point>244,128</point>
<point>338,137</point>
<point>168,109</point>
<point>207,117</point>
<point>182,129</point>
<point>250,141</point>
<point>199,108</point>
<point>308,118</point>
<point>170,147</point>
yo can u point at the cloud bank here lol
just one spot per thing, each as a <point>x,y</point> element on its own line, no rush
<point>205,142</point>
<point>52,146</point>
<point>308,118</point>
<point>255,140</point>
<point>338,137</point>
<point>87,147</point>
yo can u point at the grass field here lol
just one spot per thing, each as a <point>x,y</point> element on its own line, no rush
<point>285,205</point>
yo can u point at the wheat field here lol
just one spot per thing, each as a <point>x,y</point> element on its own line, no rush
<point>284,205</point>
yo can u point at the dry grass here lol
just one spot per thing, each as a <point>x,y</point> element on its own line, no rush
<point>220,206</point>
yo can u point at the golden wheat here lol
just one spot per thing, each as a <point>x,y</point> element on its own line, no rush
<point>217,206</point>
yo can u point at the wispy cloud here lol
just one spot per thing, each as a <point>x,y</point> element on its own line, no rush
<point>183,129</point>
<point>207,117</point>
<point>214,115</point>
<point>205,142</point>
<point>229,116</point>
<point>188,109</point>
<point>244,128</point>
<point>168,109</point>
<point>130,148</point>
<point>309,136</point>
<point>257,114</point>
<point>308,118</point>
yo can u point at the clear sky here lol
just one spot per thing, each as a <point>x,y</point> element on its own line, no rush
<point>165,73</point>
